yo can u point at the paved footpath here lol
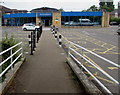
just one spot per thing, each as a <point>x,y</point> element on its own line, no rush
<point>45,71</point>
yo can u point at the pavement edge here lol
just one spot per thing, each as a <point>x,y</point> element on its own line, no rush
<point>12,77</point>
<point>87,84</point>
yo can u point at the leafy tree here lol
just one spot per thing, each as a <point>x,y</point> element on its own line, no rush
<point>93,8</point>
<point>61,10</point>
<point>106,6</point>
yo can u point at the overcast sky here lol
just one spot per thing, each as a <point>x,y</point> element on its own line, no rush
<point>67,5</point>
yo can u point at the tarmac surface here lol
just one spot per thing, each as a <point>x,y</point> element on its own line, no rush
<point>46,71</point>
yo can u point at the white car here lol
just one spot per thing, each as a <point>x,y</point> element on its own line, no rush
<point>29,26</point>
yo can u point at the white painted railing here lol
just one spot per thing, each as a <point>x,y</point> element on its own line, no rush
<point>20,51</point>
<point>100,57</point>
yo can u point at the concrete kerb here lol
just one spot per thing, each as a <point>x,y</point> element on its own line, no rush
<point>89,86</point>
<point>10,76</point>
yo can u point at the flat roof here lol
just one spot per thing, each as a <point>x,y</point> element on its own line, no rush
<point>50,14</point>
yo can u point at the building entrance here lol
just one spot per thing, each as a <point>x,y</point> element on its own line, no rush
<point>47,22</point>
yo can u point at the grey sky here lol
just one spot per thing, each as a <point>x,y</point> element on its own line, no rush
<point>67,5</point>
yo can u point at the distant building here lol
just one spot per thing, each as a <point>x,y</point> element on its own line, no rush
<point>19,11</point>
<point>6,10</point>
<point>114,13</point>
<point>44,10</point>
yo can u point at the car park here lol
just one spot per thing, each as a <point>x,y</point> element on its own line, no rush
<point>29,26</point>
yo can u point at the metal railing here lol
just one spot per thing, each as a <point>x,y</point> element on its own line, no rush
<point>12,60</point>
<point>71,51</point>
<point>101,70</point>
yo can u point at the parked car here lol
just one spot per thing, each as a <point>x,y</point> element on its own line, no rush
<point>113,23</point>
<point>29,26</point>
<point>70,23</point>
<point>81,22</point>
<point>118,31</point>
<point>85,22</point>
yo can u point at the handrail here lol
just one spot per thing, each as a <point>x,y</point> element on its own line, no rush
<point>102,71</point>
<point>10,48</point>
<point>97,67</point>
<point>91,74</point>
<point>113,63</point>
<point>11,57</point>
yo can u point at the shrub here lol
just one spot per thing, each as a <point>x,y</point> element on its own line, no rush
<point>115,19</point>
<point>7,43</point>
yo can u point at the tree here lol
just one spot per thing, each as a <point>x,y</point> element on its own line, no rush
<point>61,10</point>
<point>106,6</point>
<point>93,8</point>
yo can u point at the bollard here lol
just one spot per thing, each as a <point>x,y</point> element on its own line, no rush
<point>53,31</point>
<point>38,34</point>
<point>29,40</point>
<point>40,30</point>
<point>55,34</point>
<point>60,40</point>
<point>34,43</point>
<point>31,43</point>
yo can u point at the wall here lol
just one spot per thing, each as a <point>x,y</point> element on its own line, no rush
<point>105,19</point>
<point>56,19</point>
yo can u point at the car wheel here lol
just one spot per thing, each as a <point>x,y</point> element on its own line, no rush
<point>25,29</point>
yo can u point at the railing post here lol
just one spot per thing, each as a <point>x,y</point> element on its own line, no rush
<point>22,49</point>
<point>68,50</point>
<point>82,52</point>
<point>11,59</point>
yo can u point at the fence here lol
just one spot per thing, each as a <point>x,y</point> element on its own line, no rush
<point>12,60</point>
<point>72,52</point>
